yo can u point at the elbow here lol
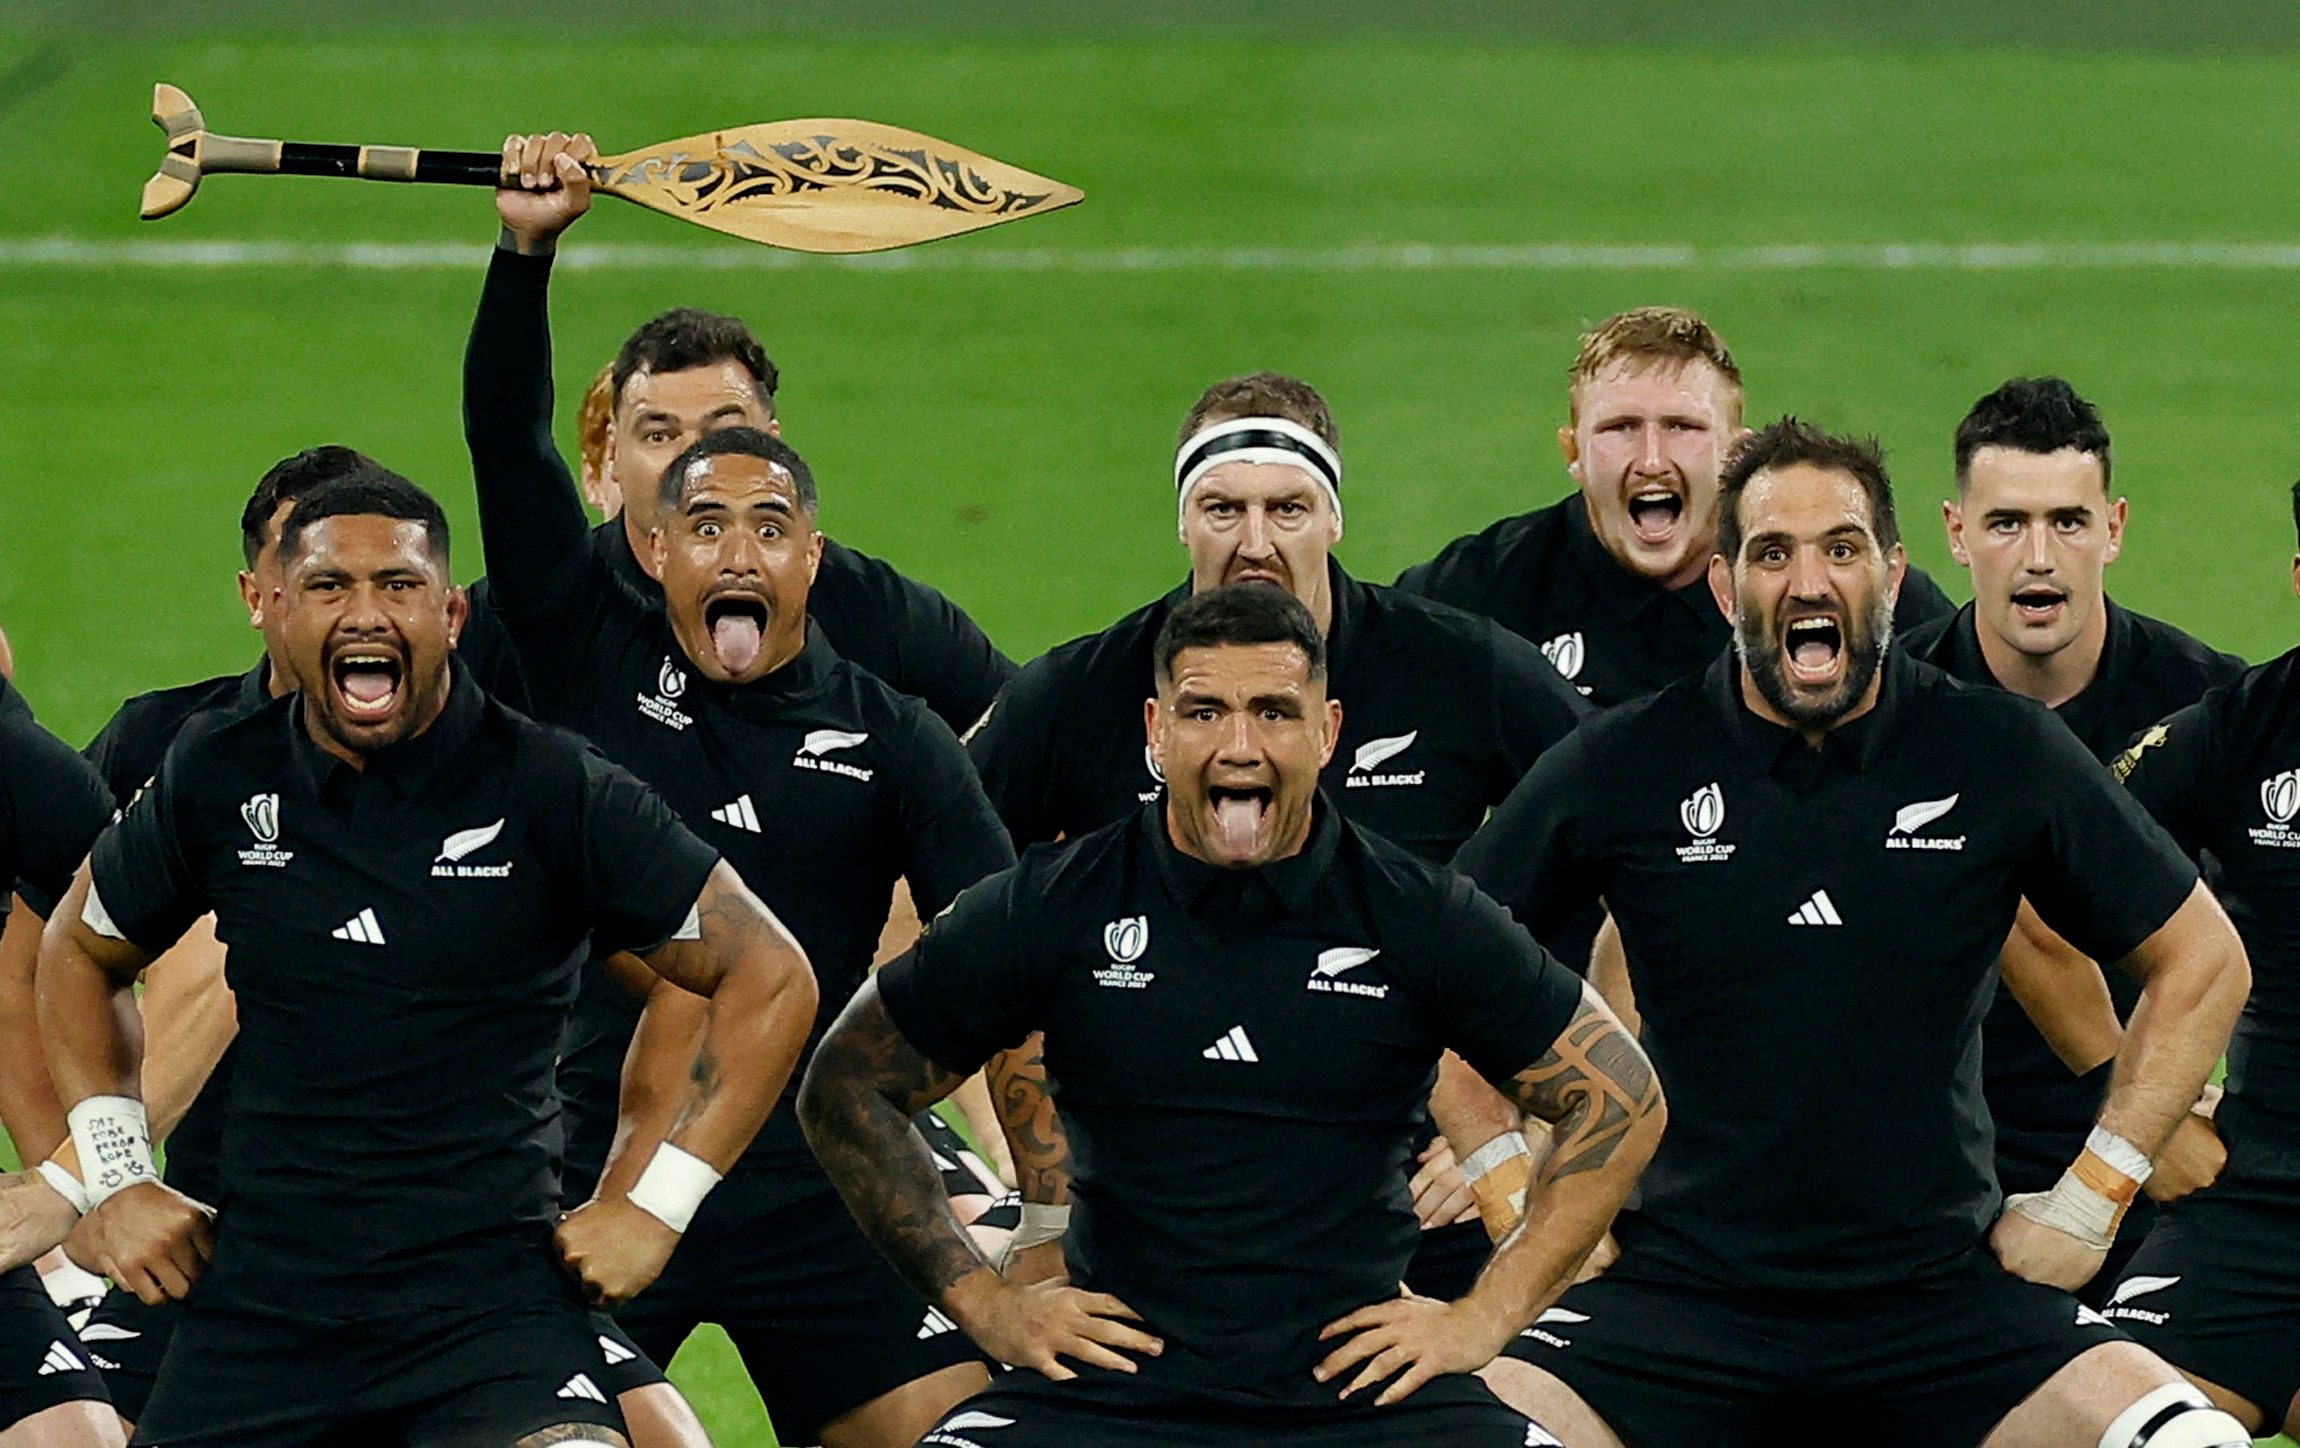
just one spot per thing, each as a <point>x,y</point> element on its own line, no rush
<point>1645,1135</point>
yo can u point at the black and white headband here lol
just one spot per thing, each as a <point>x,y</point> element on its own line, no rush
<point>1257,440</point>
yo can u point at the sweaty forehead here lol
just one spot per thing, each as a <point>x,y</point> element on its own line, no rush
<point>690,390</point>
<point>738,479</point>
<point>1804,501</point>
<point>365,543</point>
<point>1242,670</point>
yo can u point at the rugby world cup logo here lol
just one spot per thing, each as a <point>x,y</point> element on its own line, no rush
<point>1565,654</point>
<point>2280,796</point>
<point>262,813</point>
<point>1126,939</point>
<point>672,682</point>
<point>1703,811</point>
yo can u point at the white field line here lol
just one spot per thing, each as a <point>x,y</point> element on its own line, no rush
<point>167,254</point>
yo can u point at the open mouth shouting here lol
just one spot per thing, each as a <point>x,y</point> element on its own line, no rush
<point>737,623</point>
<point>1813,650</point>
<point>2039,603</point>
<point>1241,819</point>
<point>1655,511</point>
<point>366,679</point>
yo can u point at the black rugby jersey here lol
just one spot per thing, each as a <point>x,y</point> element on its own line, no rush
<point>908,634</point>
<point>1545,576</point>
<point>1441,714</point>
<point>1240,1059</point>
<point>821,784</point>
<point>403,944</point>
<point>52,807</point>
<point>2147,669</point>
<point>2223,775</point>
<point>127,752</point>
<point>1812,936</point>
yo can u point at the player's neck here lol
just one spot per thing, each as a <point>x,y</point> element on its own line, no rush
<point>2051,679</point>
<point>329,744</point>
<point>1812,734</point>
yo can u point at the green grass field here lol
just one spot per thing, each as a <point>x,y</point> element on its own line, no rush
<point>1291,186</point>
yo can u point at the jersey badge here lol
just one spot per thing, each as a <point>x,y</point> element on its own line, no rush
<point>453,850</point>
<point>1125,942</point>
<point>670,683</point>
<point>1326,975</point>
<point>815,749</point>
<point>262,815</point>
<point>1566,654</point>
<point>2123,766</point>
<point>1703,814</point>
<point>2280,801</point>
<point>1157,776</point>
<point>1910,818</point>
<point>1366,764</point>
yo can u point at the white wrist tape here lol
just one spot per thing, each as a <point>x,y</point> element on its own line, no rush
<point>673,1186</point>
<point>1506,1147</point>
<point>115,1145</point>
<point>2121,1154</point>
<point>65,1185</point>
<point>2074,1208</point>
<point>1040,1224</point>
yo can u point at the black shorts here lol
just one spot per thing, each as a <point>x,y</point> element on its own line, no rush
<point>1450,1413</point>
<point>126,1341</point>
<point>1933,1364</point>
<point>43,1363</point>
<point>240,1376</point>
<point>823,1323</point>
<point>2216,1292</point>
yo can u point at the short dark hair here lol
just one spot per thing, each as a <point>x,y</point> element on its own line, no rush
<point>746,442</point>
<point>1263,394</point>
<point>1242,613</point>
<point>376,492</point>
<point>1787,442</point>
<point>2032,415</point>
<point>687,337</point>
<point>288,481</point>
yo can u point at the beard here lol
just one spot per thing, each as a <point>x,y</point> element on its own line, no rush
<point>1867,639</point>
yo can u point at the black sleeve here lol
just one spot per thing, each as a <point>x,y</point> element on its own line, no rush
<point>108,752</point>
<point>1533,707</point>
<point>1456,576</point>
<point>56,805</point>
<point>972,986</point>
<point>145,869</point>
<point>2168,767</point>
<point>924,645</point>
<point>951,836</point>
<point>1921,601</point>
<point>642,869</point>
<point>1013,747</point>
<point>1530,854</point>
<point>541,569</point>
<point>1500,1001</point>
<point>2100,871</point>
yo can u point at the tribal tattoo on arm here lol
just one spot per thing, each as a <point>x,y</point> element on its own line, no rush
<point>856,1105</point>
<point>1033,1130</point>
<point>1592,1086</point>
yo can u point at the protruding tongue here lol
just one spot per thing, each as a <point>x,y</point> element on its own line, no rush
<point>367,685</point>
<point>737,639</point>
<point>1239,818</point>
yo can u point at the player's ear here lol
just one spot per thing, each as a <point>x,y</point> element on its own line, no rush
<point>814,554</point>
<point>1333,732</point>
<point>658,548</point>
<point>2296,574</point>
<point>1721,585</point>
<point>1896,569</point>
<point>774,426</point>
<point>1953,519</point>
<point>2116,519</point>
<point>1152,730</point>
<point>458,614</point>
<point>1569,447</point>
<point>253,597</point>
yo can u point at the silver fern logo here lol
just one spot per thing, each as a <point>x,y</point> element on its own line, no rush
<point>1365,765</point>
<point>822,742</point>
<point>460,846</point>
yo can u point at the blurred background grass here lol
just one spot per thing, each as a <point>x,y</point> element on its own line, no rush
<point>997,418</point>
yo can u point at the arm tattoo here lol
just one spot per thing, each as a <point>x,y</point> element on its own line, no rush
<point>865,1085</point>
<point>1033,1130</point>
<point>1592,1086</point>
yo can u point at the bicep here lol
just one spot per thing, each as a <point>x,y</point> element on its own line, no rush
<point>2199,929</point>
<point>77,934</point>
<point>1593,1081</point>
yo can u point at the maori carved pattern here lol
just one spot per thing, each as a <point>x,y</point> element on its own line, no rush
<point>740,173</point>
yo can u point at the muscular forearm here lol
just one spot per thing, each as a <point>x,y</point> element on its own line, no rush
<point>189,1019</point>
<point>658,1074</point>
<point>1034,1133</point>
<point>90,1027</point>
<point>1566,1214</point>
<point>29,1110</point>
<point>755,1027</point>
<point>2178,1032</point>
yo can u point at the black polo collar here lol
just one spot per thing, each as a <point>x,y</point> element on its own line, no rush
<point>409,766</point>
<point>1859,742</point>
<point>1289,884</point>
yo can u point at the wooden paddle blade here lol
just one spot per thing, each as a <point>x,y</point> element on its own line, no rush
<point>171,187</point>
<point>829,185</point>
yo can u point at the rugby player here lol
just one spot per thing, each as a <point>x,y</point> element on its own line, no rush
<point>1813,851</point>
<point>823,784</point>
<point>2037,521</point>
<point>1243,996</point>
<point>406,874</point>
<point>1610,581</point>
<point>2216,1287</point>
<point>1446,711</point>
<point>52,806</point>
<point>187,1007</point>
<point>681,375</point>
